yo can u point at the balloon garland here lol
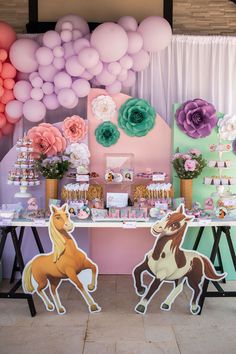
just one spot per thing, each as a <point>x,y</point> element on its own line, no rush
<point>60,66</point>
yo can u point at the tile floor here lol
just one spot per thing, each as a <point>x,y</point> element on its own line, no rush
<point>118,329</point>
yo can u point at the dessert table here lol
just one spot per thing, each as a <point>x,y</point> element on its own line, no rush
<point>16,229</point>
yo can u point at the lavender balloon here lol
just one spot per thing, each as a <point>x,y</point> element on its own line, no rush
<point>34,111</point>
<point>22,55</point>
<point>81,87</point>
<point>51,101</point>
<point>14,109</point>
<point>73,66</point>
<point>22,90</point>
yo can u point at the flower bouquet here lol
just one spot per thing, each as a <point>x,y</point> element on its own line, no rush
<point>188,165</point>
<point>53,167</point>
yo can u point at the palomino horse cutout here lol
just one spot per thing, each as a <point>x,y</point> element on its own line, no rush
<point>169,262</point>
<point>64,263</point>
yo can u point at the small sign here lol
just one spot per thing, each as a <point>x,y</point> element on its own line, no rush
<point>129,225</point>
<point>40,222</point>
<point>82,178</point>
<point>158,177</point>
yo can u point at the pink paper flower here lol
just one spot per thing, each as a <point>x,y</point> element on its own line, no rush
<point>47,139</point>
<point>186,156</point>
<point>74,128</point>
<point>190,165</point>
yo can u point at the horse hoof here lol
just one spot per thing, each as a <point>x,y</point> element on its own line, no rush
<point>165,306</point>
<point>141,291</point>
<point>195,310</point>
<point>140,308</point>
<point>61,310</point>
<point>91,287</point>
<point>94,308</point>
<point>50,307</point>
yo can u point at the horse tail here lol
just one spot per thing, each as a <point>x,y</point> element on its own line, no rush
<point>26,278</point>
<point>210,272</point>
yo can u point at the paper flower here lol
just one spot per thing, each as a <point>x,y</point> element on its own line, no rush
<point>107,134</point>
<point>47,139</point>
<point>74,128</point>
<point>227,127</point>
<point>196,118</point>
<point>136,117</point>
<point>79,154</point>
<point>234,146</point>
<point>103,107</point>
<point>190,165</point>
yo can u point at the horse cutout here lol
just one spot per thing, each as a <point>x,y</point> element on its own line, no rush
<point>169,262</point>
<point>65,262</point>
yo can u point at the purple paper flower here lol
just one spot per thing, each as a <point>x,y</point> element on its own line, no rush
<point>196,118</point>
<point>195,152</point>
<point>234,146</point>
<point>190,165</point>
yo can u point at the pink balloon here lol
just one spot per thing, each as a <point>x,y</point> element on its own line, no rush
<point>3,120</point>
<point>97,69</point>
<point>8,129</point>
<point>88,57</point>
<point>22,55</point>
<point>12,120</point>
<point>51,101</point>
<point>140,60</point>
<point>34,111</point>
<point>67,98</point>
<point>129,23</point>
<point>73,66</point>
<point>67,25</point>
<point>51,39</point>
<point>59,63</point>
<point>66,36</point>
<point>36,94</point>
<point>126,62</point>
<point>58,52</point>
<point>44,56</point>
<point>47,72</point>
<point>48,88</point>
<point>81,87</point>
<point>14,109</point>
<point>106,78</point>
<point>76,34</point>
<point>114,68</point>
<point>130,80</point>
<point>156,33</point>
<point>68,49</point>
<point>37,81</point>
<point>62,80</point>
<point>114,88</point>
<point>33,75</point>
<point>78,22</point>
<point>108,34</point>
<point>7,35</point>
<point>86,75</point>
<point>135,42</point>
<point>22,90</point>
<point>123,75</point>
<point>79,44</point>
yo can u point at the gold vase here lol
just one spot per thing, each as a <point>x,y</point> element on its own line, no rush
<point>51,190</point>
<point>186,192</point>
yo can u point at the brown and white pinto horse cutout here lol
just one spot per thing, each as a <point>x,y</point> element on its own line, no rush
<point>169,262</point>
<point>65,262</point>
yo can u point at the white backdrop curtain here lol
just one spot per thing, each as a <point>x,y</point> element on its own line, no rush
<point>192,66</point>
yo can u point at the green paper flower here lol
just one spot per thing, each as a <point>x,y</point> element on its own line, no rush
<point>136,117</point>
<point>107,134</point>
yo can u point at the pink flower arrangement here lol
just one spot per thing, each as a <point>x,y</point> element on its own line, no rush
<point>190,165</point>
<point>47,139</point>
<point>74,128</point>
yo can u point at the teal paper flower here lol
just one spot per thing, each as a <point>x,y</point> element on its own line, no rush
<point>107,134</point>
<point>136,117</point>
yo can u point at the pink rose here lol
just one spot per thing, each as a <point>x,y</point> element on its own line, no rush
<point>195,152</point>
<point>47,139</point>
<point>190,165</point>
<point>74,128</point>
<point>186,157</point>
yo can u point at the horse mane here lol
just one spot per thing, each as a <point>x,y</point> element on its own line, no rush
<point>58,241</point>
<point>177,238</point>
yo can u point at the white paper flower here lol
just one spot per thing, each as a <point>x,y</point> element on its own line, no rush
<point>79,154</point>
<point>227,127</point>
<point>104,107</point>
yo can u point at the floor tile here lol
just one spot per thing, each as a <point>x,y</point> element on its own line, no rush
<point>99,348</point>
<point>146,348</point>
